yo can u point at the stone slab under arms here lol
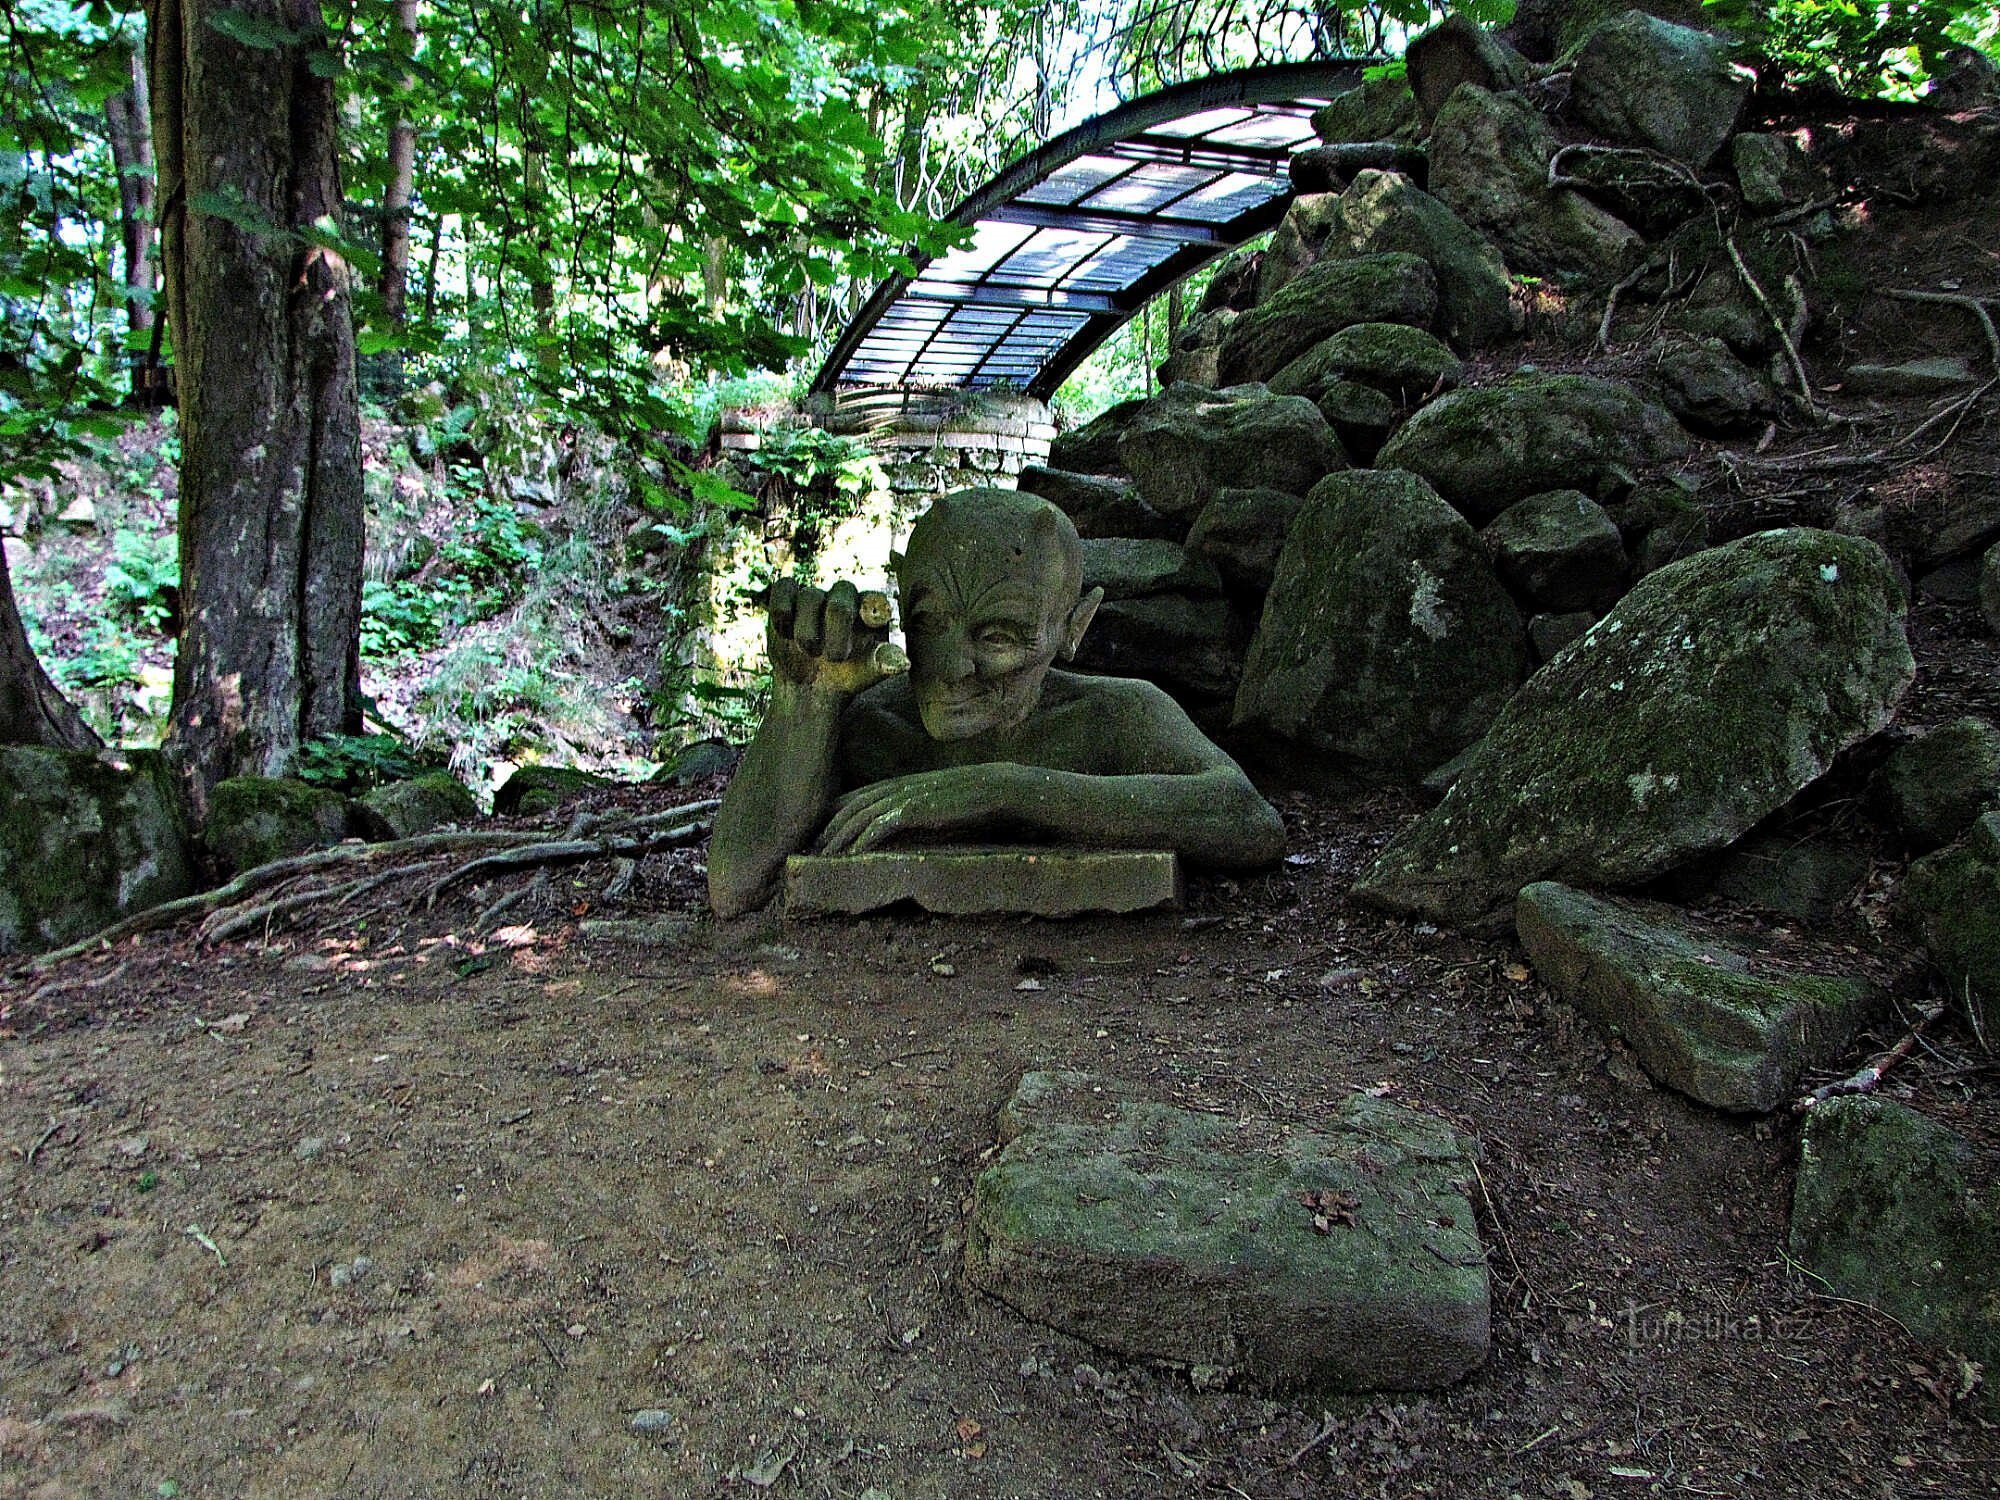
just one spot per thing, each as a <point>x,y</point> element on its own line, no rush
<point>962,881</point>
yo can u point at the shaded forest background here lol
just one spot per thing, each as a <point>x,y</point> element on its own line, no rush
<point>417,319</point>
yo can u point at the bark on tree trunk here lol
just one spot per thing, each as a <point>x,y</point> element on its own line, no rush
<point>395,278</point>
<point>271,494</point>
<point>541,277</point>
<point>128,124</point>
<point>33,710</point>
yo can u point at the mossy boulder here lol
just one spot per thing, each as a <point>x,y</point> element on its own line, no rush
<point>1710,1018</point>
<point>85,839</point>
<point>1490,166</point>
<point>1549,634</point>
<point>1660,523</point>
<point>1332,295</point>
<point>1952,899</point>
<point>1093,447</point>
<point>253,820</point>
<point>1403,362</point>
<point>1187,444</point>
<point>1642,81</point>
<point>1329,169</point>
<point>1133,567</point>
<point>1378,109</point>
<point>1713,391</point>
<point>1715,691</point>
<point>1772,172</point>
<point>1386,641</point>
<point>1934,785</point>
<point>532,791</point>
<point>1486,448</point>
<point>1296,242</point>
<point>1897,1211</point>
<point>1459,51</point>
<point>1806,879</point>
<point>1558,550</point>
<point>1197,349</point>
<point>1360,415</point>
<point>405,809</point>
<point>1242,532</point>
<point>1384,212</point>
<point>1191,646</point>
<point>1097,504</point>
<point>1345,1258</point>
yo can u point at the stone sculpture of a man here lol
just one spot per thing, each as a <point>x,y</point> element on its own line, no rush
<point>979,740</point>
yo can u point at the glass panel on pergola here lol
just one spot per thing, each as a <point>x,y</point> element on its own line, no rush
<point>1075,238</point>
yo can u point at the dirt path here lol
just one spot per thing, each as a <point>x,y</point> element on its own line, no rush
<point>475,1222</point>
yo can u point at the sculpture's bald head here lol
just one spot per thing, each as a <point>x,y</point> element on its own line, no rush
<point>989,587</point>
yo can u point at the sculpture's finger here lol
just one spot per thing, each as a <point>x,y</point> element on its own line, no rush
<point>879,830</point>
<point>782,601</point>
<point>873,609</point>
<point>837,622</point>
<point>808,624</point>
<point>854,811</point>
<point>888,660</point>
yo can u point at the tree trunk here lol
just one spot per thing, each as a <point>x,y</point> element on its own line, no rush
<point>33,710</point>
<point>128,124</point>
<point>270,493</point>
<point>541,238</point>
<point>395,278</point>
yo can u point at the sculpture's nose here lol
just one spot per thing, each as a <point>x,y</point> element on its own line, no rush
<point>954,659</point>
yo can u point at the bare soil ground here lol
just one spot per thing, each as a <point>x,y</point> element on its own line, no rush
<point>400,1212</point>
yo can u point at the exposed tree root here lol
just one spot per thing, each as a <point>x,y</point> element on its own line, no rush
<point>1870,1078</point>
<point>225,917</point>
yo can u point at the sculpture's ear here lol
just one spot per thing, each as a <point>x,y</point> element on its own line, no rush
<point>1079,621</point>
<point>895,562</point>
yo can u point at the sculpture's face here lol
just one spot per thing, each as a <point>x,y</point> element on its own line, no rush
<point>988,605</point>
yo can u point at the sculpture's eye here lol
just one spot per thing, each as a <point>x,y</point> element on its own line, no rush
<point>1004,636</point>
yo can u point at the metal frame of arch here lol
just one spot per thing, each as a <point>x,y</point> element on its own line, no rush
<point>1074,238</point>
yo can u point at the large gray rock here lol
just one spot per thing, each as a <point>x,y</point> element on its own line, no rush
<point>1713,391</point>
<point>1197,348</point>
<point>85,839</point>
<point>1484,449</point>
<point>1808,880</point>
<point>1192,647</point>
<point>1386,639</point>
<point>1187,444</point>
<point>404,809</point>
<point>1403,362</point>
<point>536,791</point>
<point>1715,691</point>
<point>1133,567</point>
<point>1894,1210</point>
<point>1332,295</point>
<point>1936,784</point>
<point>1952,899</point>
<point>1560,550</point>
<point>1549,634</point>
<point>1345,1258</point>
<point>253,820</point>
<point>1329,169</point>
<point>1646,82</point>
<point>1093,447</point>
<point>1490,165</point>
<point>1378,109</point>
<point>1385,212</point>
<point>1661,524</point>
<point>1713,1019</point>
<point>1297,242</point>
<point>1772,172</point>
<point>1242,532</point>
<point>1097,504</point>
<point>1455,52</point>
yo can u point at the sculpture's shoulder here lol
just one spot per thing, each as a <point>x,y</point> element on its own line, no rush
<point>1129,725</point>
<point>1126,697</point>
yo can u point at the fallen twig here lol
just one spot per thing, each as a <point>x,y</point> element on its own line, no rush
<point>43,1139</point>
<point>1870,1078</point>
<point>1974,305</point>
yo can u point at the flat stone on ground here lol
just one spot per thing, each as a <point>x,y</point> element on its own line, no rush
<point>961,881</point>
<point>1340,1259</point>
<point>1704,1016</point>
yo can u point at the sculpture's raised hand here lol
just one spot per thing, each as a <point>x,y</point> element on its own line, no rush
<point>833,639</point>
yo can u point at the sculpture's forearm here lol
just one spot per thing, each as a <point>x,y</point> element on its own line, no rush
<point>778,798</point>
<point>1212,817</point>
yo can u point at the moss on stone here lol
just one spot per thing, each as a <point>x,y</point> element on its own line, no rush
<point>1894,1210</point>
<point>1715,691</point>
<point>408,808</point>
<point>1403,362</point>
<point>1330,296</point>
<point>85,839</point>
<point>1934,786</point>
<point>253,820</point>
<point>532,791</point>
<point>1378,109</point>
<point>1952,899</point>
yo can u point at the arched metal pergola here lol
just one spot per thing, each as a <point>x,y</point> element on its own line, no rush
<point>1077,236</point>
